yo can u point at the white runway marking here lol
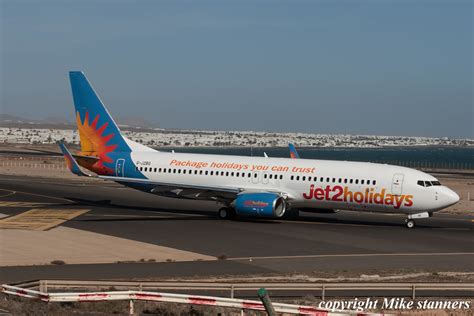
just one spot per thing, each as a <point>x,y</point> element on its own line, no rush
<point>355,255</point>
<point>8,194</point>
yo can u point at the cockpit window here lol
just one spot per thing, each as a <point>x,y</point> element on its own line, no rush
<point>427,183</point>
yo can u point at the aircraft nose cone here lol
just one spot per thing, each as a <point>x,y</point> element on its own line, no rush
<point>450,197</point>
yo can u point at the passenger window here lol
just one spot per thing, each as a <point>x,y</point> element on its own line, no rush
<point>169,170</point>
<point>212,173</point>
<point>270,176</point>
<point>374,182</point>
<point>361,181</point>
<point>304,178</point>
<point>264,175</point>
<point>345,180</point>
<point>351,181</point>
<point>207,172</point>
<point>327,180</point>
<point>368,181</point>
<point>292,177</point>
<point>321,179</point>
<point>297,178</point>
<point>309,178</point>
<point>255,175</point>
<point>159,169</point>
<point>421,183</point>
<point>357,181</point>
<point>281,177</point>
<point>236,174</point>
<point>340,180</point>
<point>250,175</point>
<point>333,180</point>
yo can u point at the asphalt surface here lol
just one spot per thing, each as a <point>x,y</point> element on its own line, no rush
<point>345,242</point>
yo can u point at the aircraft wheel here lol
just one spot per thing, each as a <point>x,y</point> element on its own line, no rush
<point>226,213</point>
<point>410,223</point>
<point>291,214</point>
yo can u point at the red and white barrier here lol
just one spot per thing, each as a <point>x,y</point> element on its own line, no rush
<point>170,298</point>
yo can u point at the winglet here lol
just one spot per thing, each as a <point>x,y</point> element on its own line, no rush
<point>71,163</point>
<point>293,152</point>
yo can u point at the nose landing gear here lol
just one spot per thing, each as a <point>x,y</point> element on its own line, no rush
<point>410,220</point>
<point>410,223</point>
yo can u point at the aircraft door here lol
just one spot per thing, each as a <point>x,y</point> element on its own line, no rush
<point>397,184</point>
<point>120,167</point>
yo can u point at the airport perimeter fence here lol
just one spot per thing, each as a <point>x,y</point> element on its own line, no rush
<point>132,296</point>
<point>233,289</point>
<point>58,163</point>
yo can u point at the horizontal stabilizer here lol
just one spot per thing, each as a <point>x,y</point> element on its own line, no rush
<point>71,163</point>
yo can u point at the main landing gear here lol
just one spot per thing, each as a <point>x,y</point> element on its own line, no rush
<point>410,222</point>
<point>226,213</point>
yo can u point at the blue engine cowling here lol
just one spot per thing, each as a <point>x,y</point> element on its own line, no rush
<point>268,205</point>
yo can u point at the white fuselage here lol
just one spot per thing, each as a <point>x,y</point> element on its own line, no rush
<point>307,184</point>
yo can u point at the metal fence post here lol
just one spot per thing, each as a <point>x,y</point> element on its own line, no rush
<point>323,292</point>
<point>267,303</point>
<point>131,308</point>
<point>232,291</point>
<point>413,292</point>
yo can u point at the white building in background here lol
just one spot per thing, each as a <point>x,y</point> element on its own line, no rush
<point>164,138</point>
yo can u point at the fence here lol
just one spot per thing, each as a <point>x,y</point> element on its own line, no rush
<point>36,165</point>
<point>132,296</point>
<point>302,288</point>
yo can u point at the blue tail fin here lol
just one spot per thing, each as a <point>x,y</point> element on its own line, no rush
<point>293,153</point>
<point>98,132</point>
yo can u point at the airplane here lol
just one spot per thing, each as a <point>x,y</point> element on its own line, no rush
<point>246,186</point>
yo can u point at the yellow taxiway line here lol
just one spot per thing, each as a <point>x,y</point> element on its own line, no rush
<point>40,219</point>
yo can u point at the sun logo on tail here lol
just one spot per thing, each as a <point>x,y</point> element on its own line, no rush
<point>94,143</point>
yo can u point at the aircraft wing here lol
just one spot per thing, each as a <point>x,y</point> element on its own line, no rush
<point>187,191</point>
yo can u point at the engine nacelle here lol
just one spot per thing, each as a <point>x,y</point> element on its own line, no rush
<point>268,205</point>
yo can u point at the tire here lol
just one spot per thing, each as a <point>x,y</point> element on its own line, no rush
<point>410,223</point>
<point>226,213</point>
<point>223,213</point>
<point>291,214</point>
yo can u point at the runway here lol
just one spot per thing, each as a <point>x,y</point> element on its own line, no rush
<point>346,242</point>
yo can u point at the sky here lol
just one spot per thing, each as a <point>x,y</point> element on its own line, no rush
<point>339,67</point>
